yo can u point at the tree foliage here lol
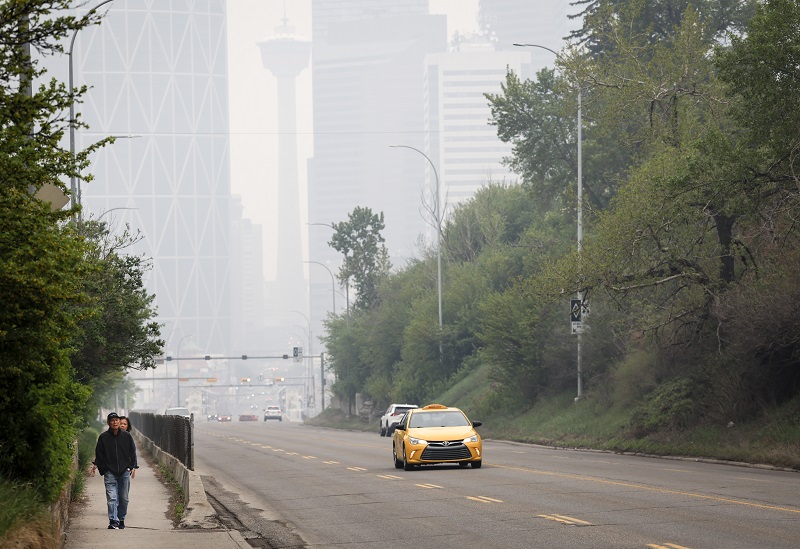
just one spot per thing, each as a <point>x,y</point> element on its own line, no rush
<point>58,295</point>
<point>366,260</point>
<point>689,251</point>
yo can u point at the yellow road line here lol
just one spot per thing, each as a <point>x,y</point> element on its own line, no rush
<point>666,546</point>
<point>356,469</point>
<point>429,486</point>
<point>650,488</point>
<point>484,499</point>
<point>563,519</point>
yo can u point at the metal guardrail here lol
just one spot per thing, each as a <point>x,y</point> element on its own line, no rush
<point>173,434</point>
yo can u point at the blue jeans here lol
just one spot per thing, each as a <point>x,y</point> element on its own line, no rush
<point>117,487</point>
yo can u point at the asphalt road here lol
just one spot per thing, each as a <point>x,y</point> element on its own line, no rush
<point>289,485</point>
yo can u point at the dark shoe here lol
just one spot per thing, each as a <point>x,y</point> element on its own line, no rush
<point>122,525</point>
<point>113,525</point>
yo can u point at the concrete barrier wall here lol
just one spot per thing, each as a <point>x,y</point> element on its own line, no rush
<point>198,513</point>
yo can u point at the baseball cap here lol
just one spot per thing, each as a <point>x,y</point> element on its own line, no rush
<point>112,415</point>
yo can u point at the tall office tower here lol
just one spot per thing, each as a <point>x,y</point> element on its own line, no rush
<point>543,22</point>
<point>157,73</point>
<point>247,280</point>
<point>460,140</point>
<point>367,77</point>
<point>285,55</point>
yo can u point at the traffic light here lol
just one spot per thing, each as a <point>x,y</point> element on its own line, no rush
<point>245,380</point>
<point>279,379</point>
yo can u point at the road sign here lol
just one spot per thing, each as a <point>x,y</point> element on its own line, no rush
<point>298,354</point>
<point>575,310</point>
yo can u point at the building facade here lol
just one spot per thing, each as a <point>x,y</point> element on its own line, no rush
<point>157,73</point>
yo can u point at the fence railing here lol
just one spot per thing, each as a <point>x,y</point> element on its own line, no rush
<point>173,434</point>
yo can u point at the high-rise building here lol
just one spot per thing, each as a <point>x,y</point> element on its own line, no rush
<point>544,22</point>
<point>460,140</point>
<point>367,77</point>
<point>157,73</point>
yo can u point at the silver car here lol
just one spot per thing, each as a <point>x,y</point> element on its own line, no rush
<point>391,418</point>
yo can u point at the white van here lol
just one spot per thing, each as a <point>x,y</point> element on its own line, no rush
<point>178,412</point>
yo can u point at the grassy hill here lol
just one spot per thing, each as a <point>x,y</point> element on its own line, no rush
<point>771,438</point>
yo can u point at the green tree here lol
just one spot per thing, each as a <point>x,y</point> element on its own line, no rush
<point>657,19</point>
<point>116,327</point>
<point>43,266</point>
<point>366,260</point>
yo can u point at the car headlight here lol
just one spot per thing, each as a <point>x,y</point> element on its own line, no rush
<point>416,441</point>
<point>473,438</point>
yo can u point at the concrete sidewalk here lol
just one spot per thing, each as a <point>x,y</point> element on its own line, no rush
<point>147,525</point>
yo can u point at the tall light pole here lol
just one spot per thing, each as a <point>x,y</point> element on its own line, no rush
<point>580,204</point>
<point>438,216</point>
<point>74,186</point>
<point>347,282</point>
<point>333,282</point>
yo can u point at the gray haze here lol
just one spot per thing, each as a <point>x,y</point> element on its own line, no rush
<point>249,125</point>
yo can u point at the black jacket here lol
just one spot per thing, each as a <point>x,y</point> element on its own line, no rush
<point>115,453</point>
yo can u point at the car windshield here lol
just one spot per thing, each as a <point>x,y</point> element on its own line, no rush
<point>448,418</point>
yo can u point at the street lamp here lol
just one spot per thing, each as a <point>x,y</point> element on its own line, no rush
<point>74,182</point>
<point>347,281</point>
<point>333,282</point>
<point>580,204</point>
<point>437,215</point>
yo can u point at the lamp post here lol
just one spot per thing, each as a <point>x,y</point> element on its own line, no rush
<point>438,217</point>
<point>74,182</point>
<point>580,204</point>
<point>347,282</point>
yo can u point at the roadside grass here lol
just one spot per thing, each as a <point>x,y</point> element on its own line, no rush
<point>25,521</point>
<point>177,498</point>
<point>337,419</point>
<point>770,438</point>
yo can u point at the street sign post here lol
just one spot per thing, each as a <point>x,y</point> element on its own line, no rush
<point>575,310</point>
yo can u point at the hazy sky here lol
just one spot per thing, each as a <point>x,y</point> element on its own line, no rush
<point>253,103</point>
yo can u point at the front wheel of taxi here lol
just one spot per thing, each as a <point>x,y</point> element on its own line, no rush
<point>398,464</point>
<point>476,464</point>
<point>406,465</point>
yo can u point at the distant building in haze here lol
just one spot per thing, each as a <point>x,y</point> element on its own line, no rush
<point>460,141</point>
<point>368,78</point>
<point>158,76</point>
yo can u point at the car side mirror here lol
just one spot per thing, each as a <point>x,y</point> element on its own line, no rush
<point>476,423</point>
<point>399,427</point>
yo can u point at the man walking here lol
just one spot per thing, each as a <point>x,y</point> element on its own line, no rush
<point>115,458</point>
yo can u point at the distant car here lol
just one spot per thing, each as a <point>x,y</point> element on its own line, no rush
<point>248,417</point>
<point>273,412</point>
<point>213,417</point>
<point>436,434</point>
<point>224,417</point>
<point>392,417</point>
<point>178,411</point>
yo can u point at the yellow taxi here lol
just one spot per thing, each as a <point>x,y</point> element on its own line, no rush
<point>436,434</point>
